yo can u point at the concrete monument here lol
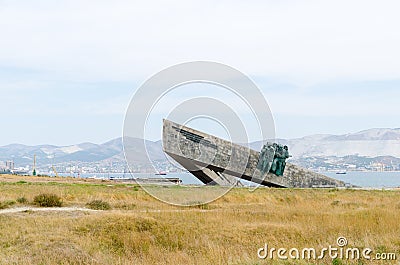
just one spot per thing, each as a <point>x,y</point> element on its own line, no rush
<point>209,158</point>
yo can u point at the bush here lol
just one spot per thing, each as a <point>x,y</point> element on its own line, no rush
<point>98,205</point>
<point>47,200</point>
<point>22,200</point>
<point>6,204</point>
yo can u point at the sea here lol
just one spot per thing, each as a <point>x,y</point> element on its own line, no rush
<point>368,179</point>
<point>361,179</point>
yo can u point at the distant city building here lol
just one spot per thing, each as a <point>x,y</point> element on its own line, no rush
<point>4,169</point>
<point>10,165</point>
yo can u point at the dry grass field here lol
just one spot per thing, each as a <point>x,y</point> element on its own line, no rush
<point>138,229</point>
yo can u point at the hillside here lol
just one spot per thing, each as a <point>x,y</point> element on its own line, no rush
<point>362,147</point>
<point>368,143</point>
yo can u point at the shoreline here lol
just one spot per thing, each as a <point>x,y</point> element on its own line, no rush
<point>71,180</point>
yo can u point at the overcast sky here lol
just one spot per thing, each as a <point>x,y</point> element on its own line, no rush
<point>69,68</point>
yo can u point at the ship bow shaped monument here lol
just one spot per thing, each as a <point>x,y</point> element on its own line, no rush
<point>215,161</point>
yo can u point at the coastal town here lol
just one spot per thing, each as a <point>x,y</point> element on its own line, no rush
<point>79,168</point>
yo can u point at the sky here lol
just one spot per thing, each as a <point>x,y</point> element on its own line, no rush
<point>68,69</point>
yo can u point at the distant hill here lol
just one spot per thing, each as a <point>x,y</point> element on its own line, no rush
<point>84,152</point>
<point>369,143</point>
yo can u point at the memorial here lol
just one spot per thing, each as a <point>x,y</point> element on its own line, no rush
<point>215,161</point>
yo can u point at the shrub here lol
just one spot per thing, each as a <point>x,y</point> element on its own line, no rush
<point>22,200</point>
<point>47,200</point>
<point>99,205</point>
<point>6,204</point>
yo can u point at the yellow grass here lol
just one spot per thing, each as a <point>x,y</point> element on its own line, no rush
<point>141,230</point>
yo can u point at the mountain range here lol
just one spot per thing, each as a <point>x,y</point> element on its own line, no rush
<point>368,143</point>
<point>111,151</point>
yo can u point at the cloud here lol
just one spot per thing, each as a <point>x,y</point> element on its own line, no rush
<point>85,58</point>
<point>306,41</point>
